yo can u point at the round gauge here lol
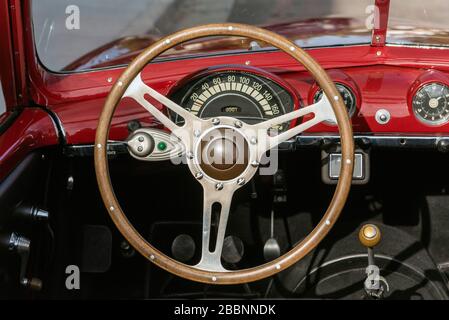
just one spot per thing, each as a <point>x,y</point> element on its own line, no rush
<point>348,99</point>
<point>431,104</point>
<point>246,96</point>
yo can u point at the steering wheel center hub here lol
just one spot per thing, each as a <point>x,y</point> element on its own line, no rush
<point>223,154</point>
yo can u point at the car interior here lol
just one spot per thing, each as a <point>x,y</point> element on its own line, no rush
<point>224,150</point>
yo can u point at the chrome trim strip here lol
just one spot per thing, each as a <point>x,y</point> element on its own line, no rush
<point>87,150</point>
<point>418,46</point>
<point>300,142</point>
<point>384,141</point>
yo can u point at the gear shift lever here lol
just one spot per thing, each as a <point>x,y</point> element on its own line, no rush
<point>375,285</point>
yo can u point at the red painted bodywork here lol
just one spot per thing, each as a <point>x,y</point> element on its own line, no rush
<point>32,129</point>
<point>12,54</point>
<point>384,76</point>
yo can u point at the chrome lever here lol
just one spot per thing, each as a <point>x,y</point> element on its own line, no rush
<point>21,245</point>
<point>376,286</point>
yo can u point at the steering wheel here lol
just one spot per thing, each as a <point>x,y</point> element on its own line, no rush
<point>205,137</point>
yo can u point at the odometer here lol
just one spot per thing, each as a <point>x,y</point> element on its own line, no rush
<point>243,95</point>
<point>431,104</point>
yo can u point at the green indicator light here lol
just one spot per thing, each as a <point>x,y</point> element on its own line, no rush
<point>162,146</point>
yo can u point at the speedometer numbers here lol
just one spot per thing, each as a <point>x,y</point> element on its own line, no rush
<point>431,104</point>
<point>246,96</point>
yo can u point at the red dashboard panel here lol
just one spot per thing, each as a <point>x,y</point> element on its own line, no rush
<point>383,74</point>
<point>389,88</point>
<point>383,78</point>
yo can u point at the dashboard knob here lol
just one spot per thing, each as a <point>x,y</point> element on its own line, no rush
<point>141,144</point>
<point>443,145</point>
<point>382,116</point>
<point>133,125</point>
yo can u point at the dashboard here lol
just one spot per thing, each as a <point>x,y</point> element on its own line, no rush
<point>378,92</point>
<point>253,94</point>
<point>391,94</point>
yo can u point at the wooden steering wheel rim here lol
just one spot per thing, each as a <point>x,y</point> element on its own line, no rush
<point>245,275</point>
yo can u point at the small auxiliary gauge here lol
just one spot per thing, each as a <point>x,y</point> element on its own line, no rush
<point>431,104</point>
<point>348,99</point>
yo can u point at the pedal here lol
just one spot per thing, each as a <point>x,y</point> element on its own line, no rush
<point>97,249</point>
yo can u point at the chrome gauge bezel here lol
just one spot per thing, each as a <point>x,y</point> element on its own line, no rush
<point>353,97</point>
<point>270,88</point>
<point>415,106</point>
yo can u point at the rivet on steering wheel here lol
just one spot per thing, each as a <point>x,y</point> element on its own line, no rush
<point>219,186</point>
<point>199,175</point>
<point>197,133</point>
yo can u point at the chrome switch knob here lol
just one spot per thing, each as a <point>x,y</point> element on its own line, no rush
<point>141,144</point>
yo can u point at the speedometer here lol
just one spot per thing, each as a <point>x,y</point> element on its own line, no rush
<point>243,95</point>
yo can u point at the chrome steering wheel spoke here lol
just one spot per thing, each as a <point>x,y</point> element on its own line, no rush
<point>216,196</point>
<point>138,89</point>
<point>322,111</point>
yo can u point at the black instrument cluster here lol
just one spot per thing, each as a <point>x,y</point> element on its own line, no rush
<point>247,96</point>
